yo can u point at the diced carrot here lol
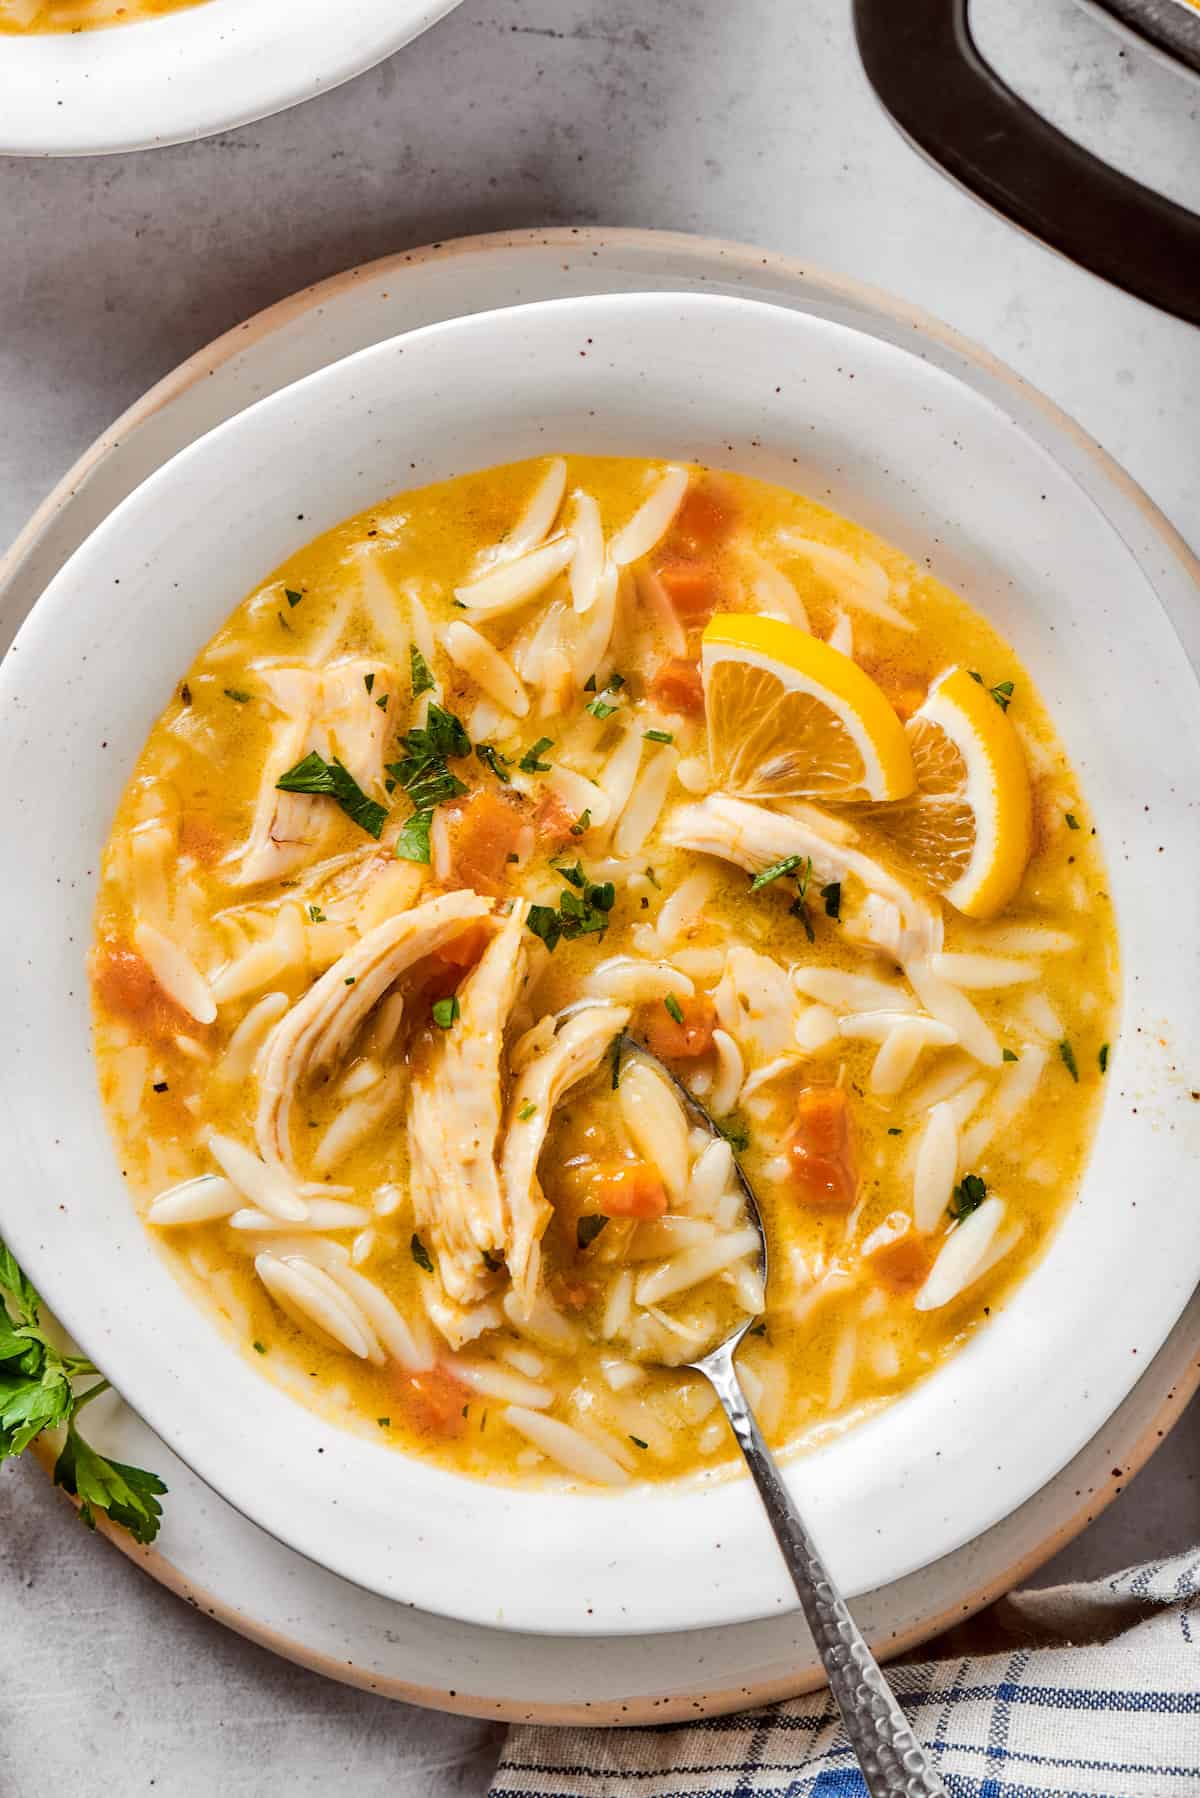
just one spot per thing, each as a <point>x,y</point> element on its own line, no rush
<point>677,686</point>
<point>484,829</point>
<point>899,1257</point>
<point>691,588</point>
<point>433,1402</point>
<point>125,985</point>
<point>671,1040</point>
<point>822,1149</point>
<point>706,517</point>
<point>628,1188</point>
<point>553,822</point>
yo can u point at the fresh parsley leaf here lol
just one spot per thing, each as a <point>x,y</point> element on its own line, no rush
<point>775,872</point>
<point>529,763</point>
<point>545,923</point>
<point>260,1348</point>
<point>18,1288</point>
<point>1002,692</point>
<point>369,681</point>
<point>444,1012</point>
<point>237,694</point>
<point>673,1008</point>
<point>588,1228</point>
<point>1068,1059</point>
<point>420,1254</point>
<point>968,1196</point>
<point>638,1443</point>
<point>527,1111</point>
<point>494,761</point>
<point>735,1134</point>
<point>582,823</point>
<point>293,598</point>
<point>614,1060</point>
<point>422,675</point>
<point>316,914</point>
<point>832,895</point>
<point>589,685</point>
<point>128,1494</point>
<point>412,845</point>
<point>1103,1058</point>
<point>1007,1055</point>
<point>895,1130</point>
<point>574,874</point>
<point>659,736</point>
<point>381,702</point>
<point>315,775</point>
<point>600,708</point>
<point>1072,821</point>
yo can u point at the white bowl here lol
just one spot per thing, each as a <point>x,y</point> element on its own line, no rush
<point>877,433</point>
<point>187,74</point>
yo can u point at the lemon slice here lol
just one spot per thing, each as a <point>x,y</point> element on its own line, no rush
<point>970,828</point>
<point>789,717</point>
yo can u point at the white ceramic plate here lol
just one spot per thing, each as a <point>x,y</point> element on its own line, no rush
<point>187,74</point>
<point>915,455</point>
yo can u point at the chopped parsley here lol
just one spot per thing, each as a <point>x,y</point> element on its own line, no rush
<point>614,1060</point>
<point>582,823</point>
<point>588,1228</point>
<point>1072,821</point>
<point>659,736</point>
<point>1002,692</point>
<point>775,872</point>
<point>444,1012</point>
<point>529,763</point>
<point>422,675</point>
<point>420,1254</point>
<point>369,681</point>
<point>1103,1058</point>
<point>832,895</point>
<point>1007,1055</point>
<point>895,1130</point>
<point>583,912</point>
<point>574,874</point>
<point>316,915</point>
<point>425,776</point>
<point>381,702</point>
<point>260,1348</point>
<point>293,598</point>
<point>673,1008</point>
<point>528,1110</point>
<point>494,761</point>
<point>1068,1059</point>
<point>600,708</point>
<point>968,1196</point>
<point>237,694</point>
<point>638,1443</point>
<point>315,775</point>
<point>160,1086</point>
<point>735,1134</point>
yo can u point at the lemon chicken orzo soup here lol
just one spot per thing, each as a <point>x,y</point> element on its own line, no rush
<point>493,787</point>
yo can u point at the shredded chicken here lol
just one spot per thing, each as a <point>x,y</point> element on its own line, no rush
<point>574,1052</point>
<point>334,712</point>
<point>454,1116</point>
<point>319,1028</point>
<point>755,838</point>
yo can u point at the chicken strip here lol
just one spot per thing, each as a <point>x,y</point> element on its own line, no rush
<point>755,838</point>
<point>317,1031</point>
<point>576,1051</point>
<point>336,713</point>
<point>454,1113</point>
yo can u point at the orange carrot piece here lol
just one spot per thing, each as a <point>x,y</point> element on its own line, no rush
<point>707,516</point>
<point>691,588</point>
<point>483,829</point>
<point>677,686</point>
<point>822,1150</point>
<point>671,1040</point>
<point>896,1254</point>
<point>432,1403</point>
<point>628,1189</point>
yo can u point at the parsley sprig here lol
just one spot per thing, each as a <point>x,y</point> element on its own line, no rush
<point>582,909</point>
<point>37,1392</point>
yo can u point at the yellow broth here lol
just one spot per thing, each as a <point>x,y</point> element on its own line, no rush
<point>840,1335</point>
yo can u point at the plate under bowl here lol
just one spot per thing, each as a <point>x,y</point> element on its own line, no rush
<point>878,433</point>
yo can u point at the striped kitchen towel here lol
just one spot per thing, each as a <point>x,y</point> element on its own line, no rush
<point>1095,1693</point>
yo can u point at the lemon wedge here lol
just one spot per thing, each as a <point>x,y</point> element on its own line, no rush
<point>969,830</point>
<point>789,717</point>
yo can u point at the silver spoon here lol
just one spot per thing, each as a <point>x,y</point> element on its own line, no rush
<point>893,1763</point>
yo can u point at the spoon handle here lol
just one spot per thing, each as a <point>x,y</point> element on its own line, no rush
<point>893,1764</point>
